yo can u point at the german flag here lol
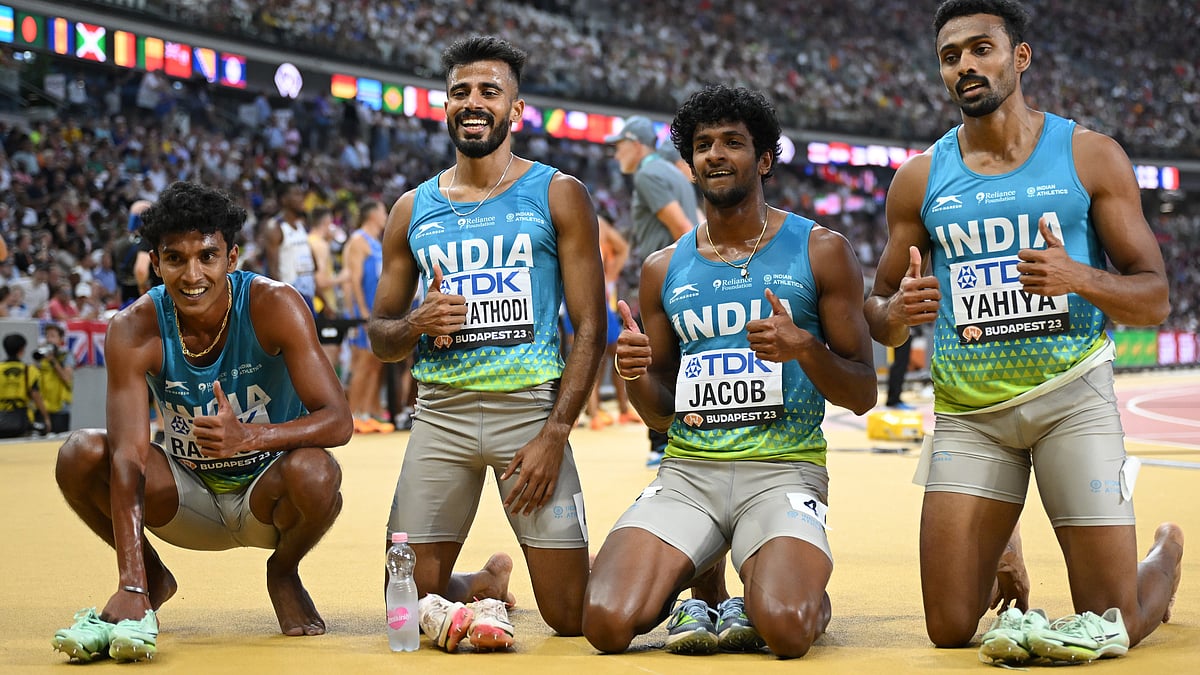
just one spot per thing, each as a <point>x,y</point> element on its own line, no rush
<point>343,86</point>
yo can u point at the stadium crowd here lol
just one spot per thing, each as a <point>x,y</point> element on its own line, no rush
<point>846,66</point>
<point>66,183</point>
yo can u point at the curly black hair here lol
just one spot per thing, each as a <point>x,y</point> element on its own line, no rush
<point>720,103</point>
<point>191,207</point>
<point>1014,14</point>
<point>483,48</point>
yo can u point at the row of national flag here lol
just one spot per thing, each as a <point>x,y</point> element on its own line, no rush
<point>91,43</point>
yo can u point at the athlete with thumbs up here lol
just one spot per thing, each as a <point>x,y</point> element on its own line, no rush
<point>249,405</point>
<point>752,321</point>
<point>500,243</point>
<point>1000,235</point>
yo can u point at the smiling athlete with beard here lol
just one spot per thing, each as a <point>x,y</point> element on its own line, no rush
<point>486,238</point>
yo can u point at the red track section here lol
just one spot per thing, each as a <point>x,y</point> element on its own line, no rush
<point>1168,413</point>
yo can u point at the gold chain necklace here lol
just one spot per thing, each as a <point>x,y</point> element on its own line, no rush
<point>220,331</point>
<point>485,197</point>
<point>743,266</point>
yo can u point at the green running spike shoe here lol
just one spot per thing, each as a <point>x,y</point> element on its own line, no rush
<point>86,639</point>
<point>1082,638</point>
<point>1007,643</point>
<point>135,640</point>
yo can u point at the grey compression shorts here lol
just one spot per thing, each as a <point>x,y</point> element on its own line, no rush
<point>705,507</point>
<point>1070,437</point>
<point>456,436</point>
<point>207,521</point>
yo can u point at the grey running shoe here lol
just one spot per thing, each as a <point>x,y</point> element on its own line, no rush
<point>734,630</point>
<point>86,639</point>
<point>1007,641</point>
<point>692,628</point>
<point>135,640</point>
<point>1081,638</point>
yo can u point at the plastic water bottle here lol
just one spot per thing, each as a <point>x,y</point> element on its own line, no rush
<point>401,595</point>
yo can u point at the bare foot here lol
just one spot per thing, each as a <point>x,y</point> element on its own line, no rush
<point>1012,580</point>
<point>1171,532</point>
<point>492,580</point>
<point>162,585</point>
<point>709,586</point>
<point>293,607</point>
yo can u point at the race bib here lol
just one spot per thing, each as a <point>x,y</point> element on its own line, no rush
<point>809,506</point>
<point>728,388</point>
<point>990,304</point>
<point>499,308</point>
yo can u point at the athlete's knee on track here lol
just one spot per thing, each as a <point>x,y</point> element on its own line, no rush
<point>789,629</point>
<point>563,620</point>
<point>950,627</point>
<point>609,627</point>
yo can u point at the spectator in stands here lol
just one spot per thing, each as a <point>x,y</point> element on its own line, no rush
<point>36,289</point>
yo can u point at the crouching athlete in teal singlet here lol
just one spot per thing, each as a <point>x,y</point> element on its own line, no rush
<point>249,405</point>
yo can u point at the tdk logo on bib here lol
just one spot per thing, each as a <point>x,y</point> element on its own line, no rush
<point>726,363</point>
<point>991,272</point>
<point>484,283</point>
<point>499,308</point>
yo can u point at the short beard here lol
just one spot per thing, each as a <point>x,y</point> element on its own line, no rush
<point>478,148</point>
<point>728,197</point>
<point>983,106</point>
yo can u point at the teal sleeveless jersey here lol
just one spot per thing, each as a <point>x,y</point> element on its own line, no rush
<point>503,257</point>
<point>729,405</point>
<point>992,340</point>
<point>257,384</point>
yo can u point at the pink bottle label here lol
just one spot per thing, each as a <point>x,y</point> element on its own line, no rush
<point>396,618</point>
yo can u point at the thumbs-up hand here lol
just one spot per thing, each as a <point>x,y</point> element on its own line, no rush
<point>776,338</point>
<point>1050,270</point>
<point>916,301</point>
<point>633,356</point>
<point>441,312</point>
<point>220,435</point>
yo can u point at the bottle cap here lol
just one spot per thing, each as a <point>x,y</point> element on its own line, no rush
<point>399,537</point>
